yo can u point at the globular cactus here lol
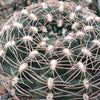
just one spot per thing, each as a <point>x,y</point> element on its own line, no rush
<point>51,51</point>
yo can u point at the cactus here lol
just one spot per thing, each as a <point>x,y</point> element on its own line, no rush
<point>51,51</point>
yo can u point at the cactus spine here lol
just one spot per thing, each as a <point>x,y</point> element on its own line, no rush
<point>51,50</point>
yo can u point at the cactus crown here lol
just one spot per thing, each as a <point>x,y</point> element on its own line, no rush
<point>51,50</point>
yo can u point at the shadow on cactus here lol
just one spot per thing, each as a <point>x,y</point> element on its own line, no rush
<point>52,51</point>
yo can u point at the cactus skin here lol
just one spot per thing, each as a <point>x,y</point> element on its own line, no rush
<point>52,51</point>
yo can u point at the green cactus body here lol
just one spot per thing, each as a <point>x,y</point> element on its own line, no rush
<point>52,51</point>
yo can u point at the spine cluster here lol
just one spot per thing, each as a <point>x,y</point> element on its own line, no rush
<point>51,51</point>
